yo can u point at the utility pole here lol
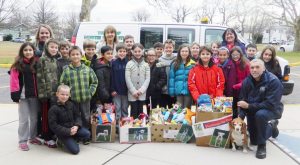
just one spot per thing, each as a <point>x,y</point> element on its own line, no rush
<point>86,8</point>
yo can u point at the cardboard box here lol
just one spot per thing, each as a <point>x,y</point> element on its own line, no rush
<point>103,133</point>
<point>164,132</point>
<point>204,116</point>
<point>134,134</point>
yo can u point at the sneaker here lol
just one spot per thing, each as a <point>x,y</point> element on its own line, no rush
<point>86,142</point>
<point>23,146</point>
<point>50,144</point>
<point>36,140</point>
<point>275,131</point>
<point>261,152</point>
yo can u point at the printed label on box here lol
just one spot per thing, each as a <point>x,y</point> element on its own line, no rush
<point>171,134</point>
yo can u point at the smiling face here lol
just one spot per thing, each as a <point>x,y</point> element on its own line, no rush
<point>110,35</point>
<point>205,56</point>
<point>122,53</point>
<point>108,55</point>
<point>52,48</point>
<point>251,52</point>
<point>75,57</point>
<point>90,52</point>
<point>169,49</point>
<point>63,95</point>
<point>256,69</point>
<point>151,56</point>
<point>44,34</point>
<point>267,55</point>
<point>195,49</point>
<point>64,51</point>
<point>184,53</point>
<point>129,43</point>
<point>229,37</point>
<point>28,52</point>
<point>223,56</point>
<point>236,56</point>
<point>137,53</point>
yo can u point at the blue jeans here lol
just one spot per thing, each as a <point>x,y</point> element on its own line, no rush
<point>259,128</point>
<point>71,144</point>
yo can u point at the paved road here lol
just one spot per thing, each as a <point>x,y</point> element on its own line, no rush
<point>4,86</point>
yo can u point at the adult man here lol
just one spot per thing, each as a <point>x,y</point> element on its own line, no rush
<point>260,101</point>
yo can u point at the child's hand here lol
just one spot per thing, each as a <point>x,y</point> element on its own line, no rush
<point>74,130</point>
<point>136,94</point>
<point>114,93</point>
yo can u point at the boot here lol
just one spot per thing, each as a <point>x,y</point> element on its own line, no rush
<point>275,130</point>
<point>261,152</point>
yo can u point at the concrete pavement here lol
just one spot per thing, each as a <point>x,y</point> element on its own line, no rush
<point>148,153</point>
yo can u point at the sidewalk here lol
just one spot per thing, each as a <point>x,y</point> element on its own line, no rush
<point>149,153</point>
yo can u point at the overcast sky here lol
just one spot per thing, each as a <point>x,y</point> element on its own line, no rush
<point>111,10</point>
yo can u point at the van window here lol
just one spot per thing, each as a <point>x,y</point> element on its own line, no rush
<point>212,35</point>
<point>149,36</point>
<point>181,36</point>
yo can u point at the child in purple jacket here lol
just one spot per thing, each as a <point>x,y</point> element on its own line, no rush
<point>229,71</point>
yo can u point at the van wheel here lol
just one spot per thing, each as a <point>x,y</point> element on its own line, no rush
<point>282,49</point>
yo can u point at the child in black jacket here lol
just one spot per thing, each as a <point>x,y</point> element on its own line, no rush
<point>65,121</point>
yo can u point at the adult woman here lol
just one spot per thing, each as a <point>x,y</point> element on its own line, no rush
<point>230,40</point>
<point>110,39</point>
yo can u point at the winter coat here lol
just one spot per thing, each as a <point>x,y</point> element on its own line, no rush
<point>47,81</point>
<point>229,72</point>
<point>158,80</point>
<point>103,73</point>
<point>118,76</point>
<point>165,61</point>
<point>89,63</point>
<point>82,80</point>
<point>240,44</point>
<point>206,80</point>
<point>240,75</point>
<point>265,94</point>
<point>62,63</point>
<point>61,117</point>
<point>23,79</point>
<point>178,79</point>
<point>276,70</point>
<point>137,76</point>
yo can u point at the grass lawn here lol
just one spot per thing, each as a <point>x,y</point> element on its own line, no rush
<point>8,51</point>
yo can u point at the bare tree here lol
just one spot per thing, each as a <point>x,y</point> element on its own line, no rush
<point>161,4</point>
<point>71,22</point>
<point>258,23</point>
<point>45,14</point>
<point>227,12</point>
<point>86,8</point>
<point>208,10</point>
<point>290,14</point>
<point>180,13</point>
<point>243,8</point>
<point>7,7</point>
<point>141,15</point>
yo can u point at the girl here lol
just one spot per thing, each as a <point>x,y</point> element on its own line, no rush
<point>158,79</point>
<point>178,85</point>
<point>268,55</point>
<point>214,48</point>
<point>110,39</point>
<point>103,72</point>
<point>24,91</point>
<point>43,33</point>
<point>47,84</point>
<point>195,48</point>
<point>206,77</point>
<point>242,71</point>
<point>229,70</point>
<point>137,76</point>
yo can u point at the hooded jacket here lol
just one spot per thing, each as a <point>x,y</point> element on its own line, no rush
<point>103,73</point>
<point>206,80</point>
<point>178,79</point>
<point>229,72</point>
<point>165,61</point>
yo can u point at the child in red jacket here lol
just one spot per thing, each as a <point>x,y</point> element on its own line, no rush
<point>206,77</point>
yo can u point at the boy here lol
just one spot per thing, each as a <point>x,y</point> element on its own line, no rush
<point>64,120</point>
<point>64,60</point>
<point>90,56</point>
<point>159,48</point>
<point>82,92</point>
<point>251,50</point>
<point>118,83</point>
<point>165,61</point>
<point>128,41</point>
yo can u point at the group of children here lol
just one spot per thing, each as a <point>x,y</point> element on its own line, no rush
<point>43,80</point>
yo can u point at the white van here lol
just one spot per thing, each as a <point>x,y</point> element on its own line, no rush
<point>149,33</point>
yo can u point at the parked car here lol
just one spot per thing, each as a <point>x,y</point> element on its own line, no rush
<point>288,47</point>
<point>18,39</point>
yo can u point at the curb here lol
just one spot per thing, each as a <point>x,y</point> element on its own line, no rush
<point>5,65</point>
<point>295,64</point>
